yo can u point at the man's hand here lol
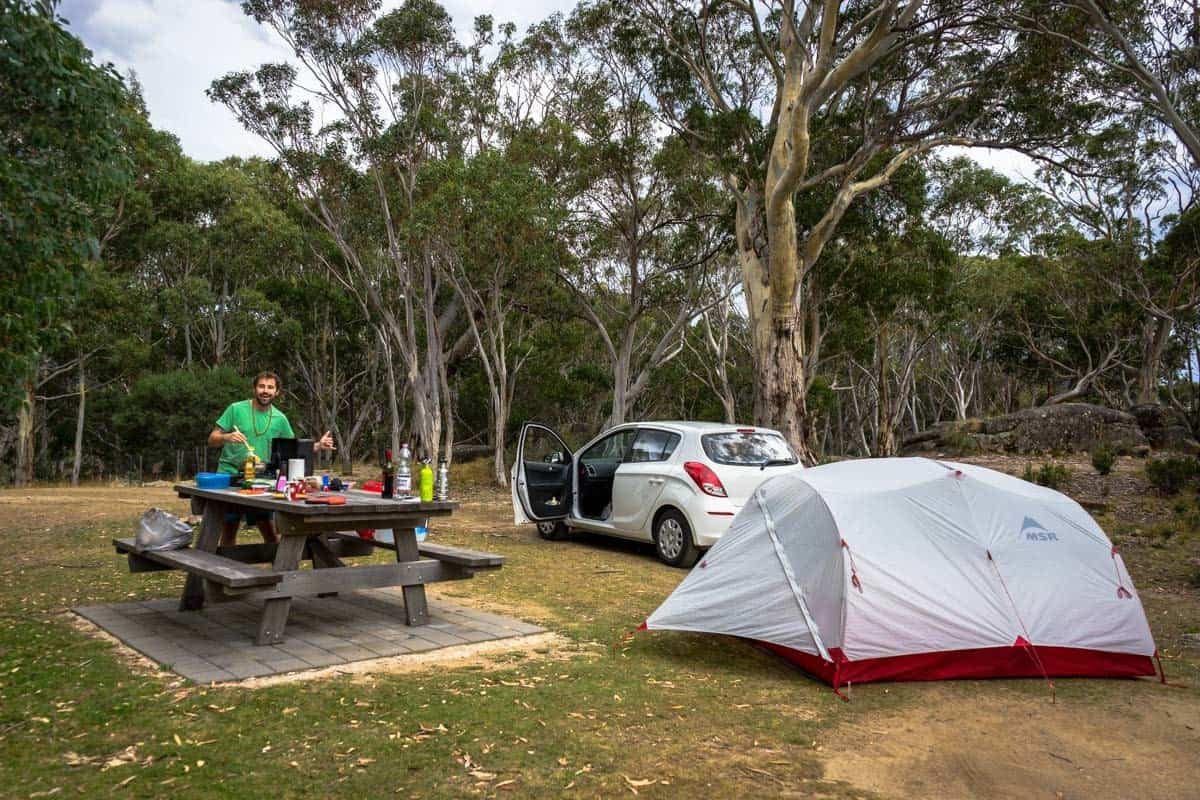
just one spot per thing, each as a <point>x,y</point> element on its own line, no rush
<point>219,438</point>
<point>324,443</point>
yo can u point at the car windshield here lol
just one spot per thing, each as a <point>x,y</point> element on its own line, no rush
<point>748,448</point>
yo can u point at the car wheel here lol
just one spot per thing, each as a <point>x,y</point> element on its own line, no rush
<point>553,531</point>
<point>673,540</point>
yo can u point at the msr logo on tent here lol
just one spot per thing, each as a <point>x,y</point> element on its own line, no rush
<point>1033,531</point>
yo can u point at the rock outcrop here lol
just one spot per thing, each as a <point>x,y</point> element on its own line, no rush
<point>1065,428</point>
<point>1165,428</point>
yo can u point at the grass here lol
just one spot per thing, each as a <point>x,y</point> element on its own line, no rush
<point>591,717</point>
<point>662,714</point>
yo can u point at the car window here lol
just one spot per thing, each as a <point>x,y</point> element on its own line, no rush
<point>747,448</point>
<point>542,445</point>
<point>653,445</point>
<point>611,447</point>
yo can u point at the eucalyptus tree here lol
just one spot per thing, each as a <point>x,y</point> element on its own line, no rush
<point>496,223</point>
<point>386,84</point>
<point>1141,55</point>
<point>717,343</point>
<point>822,103</point>
<point>644,222</point>
<point>1116,187</point>
<point>988,220</point>
<point>214,233</point>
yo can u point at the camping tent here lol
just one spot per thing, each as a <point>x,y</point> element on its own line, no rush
<point>912,569</point>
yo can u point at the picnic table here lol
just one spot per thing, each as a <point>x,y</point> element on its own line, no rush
<point>324,534</point>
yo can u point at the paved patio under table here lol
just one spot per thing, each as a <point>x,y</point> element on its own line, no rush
<point>217,643</point>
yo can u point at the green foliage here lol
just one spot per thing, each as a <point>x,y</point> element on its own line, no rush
<point>1103,459</point>
<point>61,161</point>
<point>1051,475</point>
<point>1169,475</point>
<point>960,443</point>
<point>174,411</point>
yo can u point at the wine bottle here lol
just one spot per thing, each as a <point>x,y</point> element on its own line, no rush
<point>389,476</point>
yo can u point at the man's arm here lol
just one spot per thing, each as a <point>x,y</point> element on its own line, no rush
<point>219,438</point>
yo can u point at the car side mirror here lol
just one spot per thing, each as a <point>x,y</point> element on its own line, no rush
<point>555,458</point>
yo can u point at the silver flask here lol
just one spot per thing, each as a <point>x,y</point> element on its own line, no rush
<point>441,484</point>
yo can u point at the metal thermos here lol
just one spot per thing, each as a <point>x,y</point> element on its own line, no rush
<point>441,487</point>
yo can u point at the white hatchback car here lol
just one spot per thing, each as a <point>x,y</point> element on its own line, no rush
<point>676,484</point>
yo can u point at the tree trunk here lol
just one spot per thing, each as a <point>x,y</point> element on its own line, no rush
<point>498,430</point>
<point>781,400</point>
<point>1155,335</point>
<point>885,432</point>
<point>780,392</point>
<point>393,400</point>
<point>79,417</point>
<point>25,443</point>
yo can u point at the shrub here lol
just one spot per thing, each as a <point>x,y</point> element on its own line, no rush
<point>1165,531</point>
<point>1028,475</point>
<point>1052,476</point>
<point>960,443</point>
<point>1169,475</point>
<point>1103,459</point>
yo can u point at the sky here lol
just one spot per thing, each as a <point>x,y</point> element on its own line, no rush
<point>178,47</point>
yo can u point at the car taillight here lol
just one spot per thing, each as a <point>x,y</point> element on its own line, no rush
<point>705,478</point>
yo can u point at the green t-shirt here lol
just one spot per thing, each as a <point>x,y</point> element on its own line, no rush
<point>259,427</point>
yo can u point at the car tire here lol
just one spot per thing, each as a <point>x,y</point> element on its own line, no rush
<point>553,531</point>
<point>673,541</point>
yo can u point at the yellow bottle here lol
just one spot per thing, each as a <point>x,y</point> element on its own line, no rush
<point>425,481</point>
<point>248,470</point>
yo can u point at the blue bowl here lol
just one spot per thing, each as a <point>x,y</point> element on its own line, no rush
<point>212,480</point>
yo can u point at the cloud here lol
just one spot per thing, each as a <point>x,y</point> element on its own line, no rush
<point>178,47</point>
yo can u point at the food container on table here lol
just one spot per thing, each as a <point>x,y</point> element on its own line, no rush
<point>212,480</point>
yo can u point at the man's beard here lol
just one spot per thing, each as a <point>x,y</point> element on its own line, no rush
<point>263,403</point>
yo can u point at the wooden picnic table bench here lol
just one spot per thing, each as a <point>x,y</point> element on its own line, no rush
<point>320,533</point>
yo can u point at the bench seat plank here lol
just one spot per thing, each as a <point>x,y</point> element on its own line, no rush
<point>475,559</point>
<point>210,566</point>
<point>461,556</point>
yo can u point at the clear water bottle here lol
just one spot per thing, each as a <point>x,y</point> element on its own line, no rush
<point>441,487</point>
<point>404,472</point>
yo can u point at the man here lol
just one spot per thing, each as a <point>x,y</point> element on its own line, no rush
<point>253,424</point>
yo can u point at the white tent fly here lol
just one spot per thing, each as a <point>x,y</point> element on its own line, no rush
<point>912,569</point>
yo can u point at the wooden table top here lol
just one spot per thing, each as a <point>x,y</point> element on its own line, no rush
<point>358,504</point>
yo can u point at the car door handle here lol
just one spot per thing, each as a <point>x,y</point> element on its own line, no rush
<point>655,480</point>
<point>590,470</point>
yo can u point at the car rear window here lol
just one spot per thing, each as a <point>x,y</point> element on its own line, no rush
<point>747,449</point>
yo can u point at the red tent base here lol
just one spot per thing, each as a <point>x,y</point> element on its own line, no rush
<point>1016,661</point>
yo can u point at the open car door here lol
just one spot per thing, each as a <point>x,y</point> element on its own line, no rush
<point>541,476</point>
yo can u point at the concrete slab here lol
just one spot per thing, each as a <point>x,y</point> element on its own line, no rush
<point>216,643</point>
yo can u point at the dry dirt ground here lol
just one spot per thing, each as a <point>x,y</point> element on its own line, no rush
<point>1097,739</point>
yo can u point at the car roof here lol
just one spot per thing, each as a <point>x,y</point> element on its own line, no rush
<point>698,427</point>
